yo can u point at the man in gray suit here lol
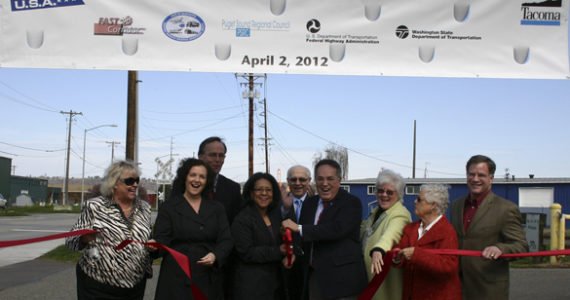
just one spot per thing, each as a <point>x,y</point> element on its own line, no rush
<point>488,223</point>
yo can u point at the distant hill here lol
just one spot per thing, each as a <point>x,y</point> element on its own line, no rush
<point>547,3</point>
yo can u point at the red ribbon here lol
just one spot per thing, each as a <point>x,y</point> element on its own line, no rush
<point>288,240</point>
<point>45,238</point>
<point>180,258</point>
<point>377,280</point>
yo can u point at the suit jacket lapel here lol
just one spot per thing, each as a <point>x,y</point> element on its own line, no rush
<point>459,216</point>
<point>486,204</point>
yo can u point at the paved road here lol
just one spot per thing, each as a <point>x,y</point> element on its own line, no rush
<point>39,279</point>
<point>24,277</point>
<point>35,225</point>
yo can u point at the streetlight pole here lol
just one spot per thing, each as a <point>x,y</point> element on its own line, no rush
<point>83,169</point>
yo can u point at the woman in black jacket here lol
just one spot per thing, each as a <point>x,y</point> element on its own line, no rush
<point>258,242</point>
<point>196,226</point>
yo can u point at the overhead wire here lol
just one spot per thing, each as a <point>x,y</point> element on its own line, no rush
<point>356,151</point>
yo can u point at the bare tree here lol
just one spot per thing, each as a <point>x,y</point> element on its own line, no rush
<point>335,152</point>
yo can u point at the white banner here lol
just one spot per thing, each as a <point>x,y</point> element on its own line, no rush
<point>436,38</point>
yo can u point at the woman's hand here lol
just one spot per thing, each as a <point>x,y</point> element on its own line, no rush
<point>283,249</point>
<point>89,237</point>
<point>150,247</point>
<point>207,260</point>
<point>377,262</point>
<point>407,253</point>
<point>285,264</point>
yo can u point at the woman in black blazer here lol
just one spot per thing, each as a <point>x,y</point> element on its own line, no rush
<point>258,242</point>
<point>196,226</point>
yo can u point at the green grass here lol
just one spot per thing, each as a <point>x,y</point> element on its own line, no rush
<point>62,254</point>
<point>35,209</point>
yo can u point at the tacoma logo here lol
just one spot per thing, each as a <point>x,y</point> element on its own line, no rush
<point>543,13</point>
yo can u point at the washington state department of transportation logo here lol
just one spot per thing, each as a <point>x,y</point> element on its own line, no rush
<point>541,13</point>
<point>313,26</point>
<point>183,26</point>
<point>402,32</point>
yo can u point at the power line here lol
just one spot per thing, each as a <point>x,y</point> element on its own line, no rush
<point>49,109</point>
<point>32,149</point>
<point>356,151</point>
<point>190,112</point>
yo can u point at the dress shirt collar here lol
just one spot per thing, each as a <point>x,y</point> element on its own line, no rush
<point>475,202</point>
<point>423,229</point>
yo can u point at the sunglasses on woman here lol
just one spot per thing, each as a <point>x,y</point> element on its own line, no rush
<point>130,180</point>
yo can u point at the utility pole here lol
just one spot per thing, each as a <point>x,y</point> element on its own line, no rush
<point>250,94</point>
<point>113,143</point>
<point>132,117</point>
<point>414,159</point>
<point>265,140</point>
<point>66,182</point>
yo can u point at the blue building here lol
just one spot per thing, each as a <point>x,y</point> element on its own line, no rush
<point>530,194</point>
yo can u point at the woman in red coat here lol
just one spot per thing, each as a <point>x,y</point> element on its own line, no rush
<point>429,276</point>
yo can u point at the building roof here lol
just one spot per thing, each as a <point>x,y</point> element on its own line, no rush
<point>497,180</point>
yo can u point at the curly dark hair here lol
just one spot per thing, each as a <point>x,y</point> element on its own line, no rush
<point>250,185</point>
<point>179,183</point>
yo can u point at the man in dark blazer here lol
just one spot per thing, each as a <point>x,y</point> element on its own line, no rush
<point>329,228</point>
<point>226,191</point>
<point>299,182</point>
<point>488,223</point>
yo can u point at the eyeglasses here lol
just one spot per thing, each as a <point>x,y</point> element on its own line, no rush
<point>261,191</point>
<point>218,155</point>
<point>300,179</point>
<point>130,180</point>
<point>388,192</point>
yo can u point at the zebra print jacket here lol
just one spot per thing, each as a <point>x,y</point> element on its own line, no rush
<point>124,268</point>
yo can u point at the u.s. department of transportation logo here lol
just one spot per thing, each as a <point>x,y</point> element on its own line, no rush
<point>183,26</point>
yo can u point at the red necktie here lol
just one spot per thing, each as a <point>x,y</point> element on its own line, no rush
<point>324,206</point>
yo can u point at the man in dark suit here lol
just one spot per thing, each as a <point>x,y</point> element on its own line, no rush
<point>226,191</point>
<point>299,182</point>
<point>329,228</point>
<point>213,152</point>
<point>486,222</point>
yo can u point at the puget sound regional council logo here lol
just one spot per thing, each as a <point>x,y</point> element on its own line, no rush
<point>183,26</point>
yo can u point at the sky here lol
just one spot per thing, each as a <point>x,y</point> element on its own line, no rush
<point>521,124</point>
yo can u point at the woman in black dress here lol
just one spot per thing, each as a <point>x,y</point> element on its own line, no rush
<point>258,242</point>
<point>196,226</point>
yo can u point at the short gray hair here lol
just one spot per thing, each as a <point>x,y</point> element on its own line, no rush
<point>390,177</point>
<point>437,193</point>
<point>299,166</point>
<point>113,174</point>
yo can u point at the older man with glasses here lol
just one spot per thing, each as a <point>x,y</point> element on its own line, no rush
<point>299,182</point>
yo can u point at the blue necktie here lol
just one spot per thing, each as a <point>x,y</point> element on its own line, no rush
<point>298,204</point>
